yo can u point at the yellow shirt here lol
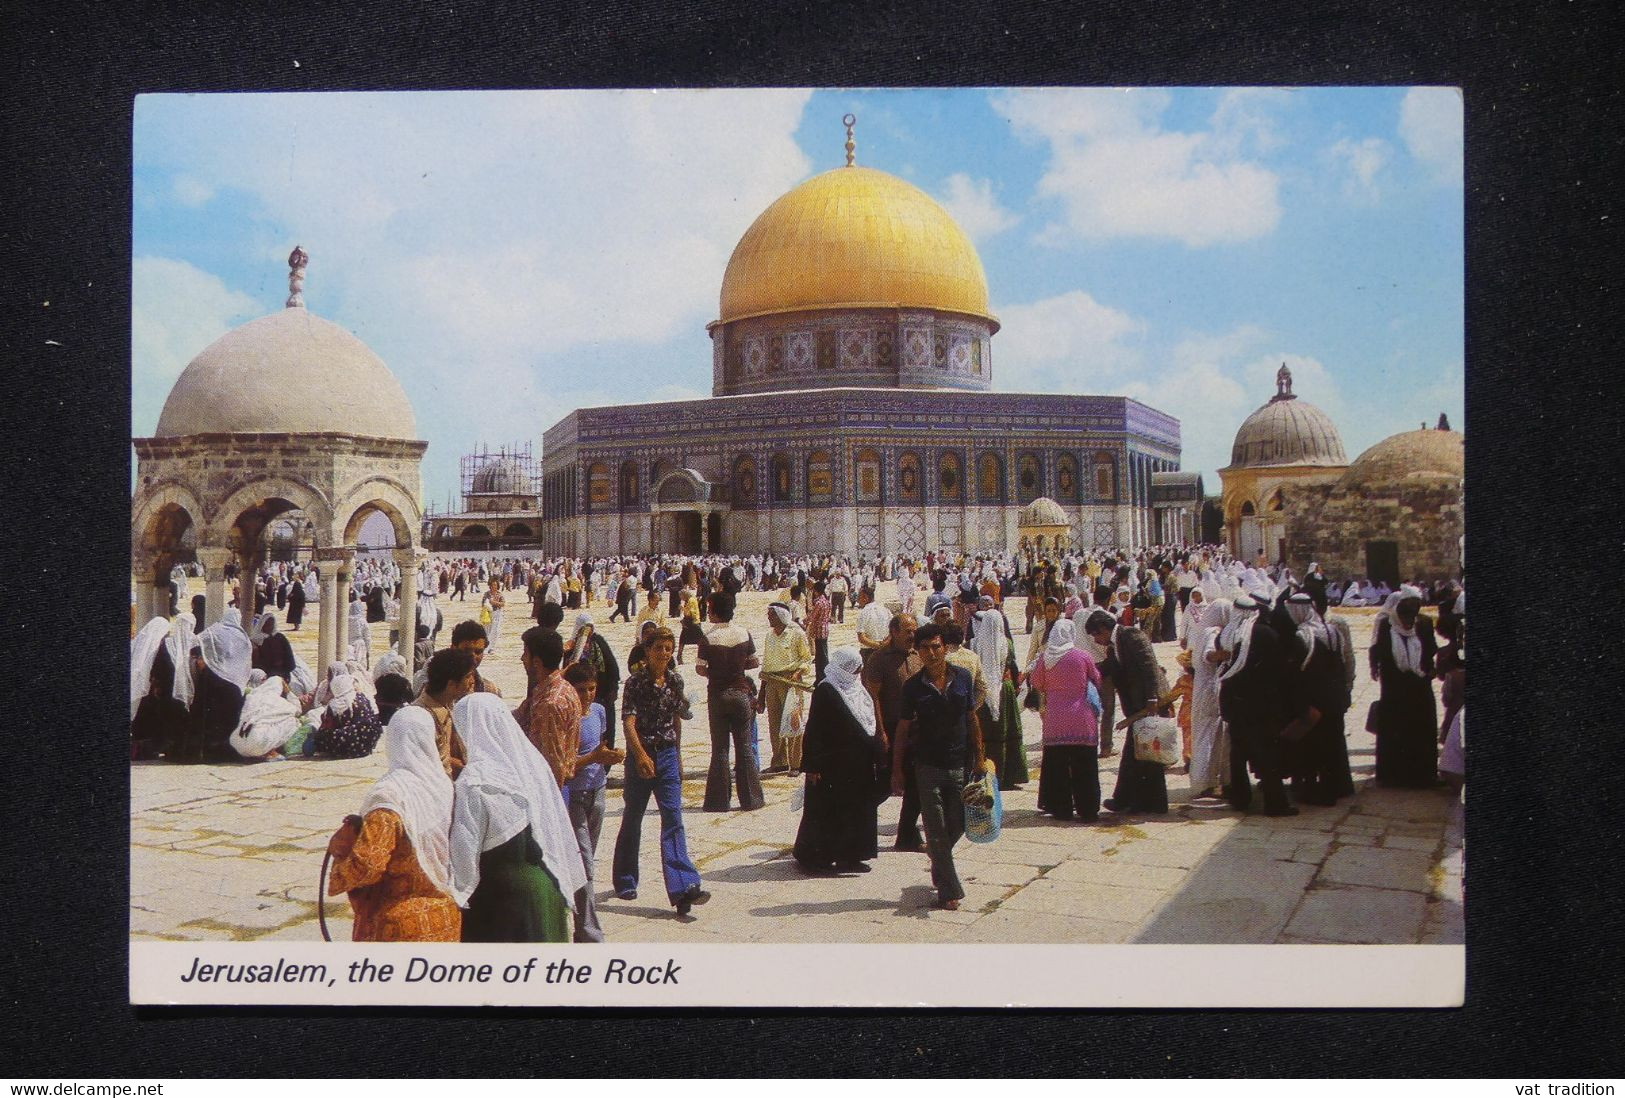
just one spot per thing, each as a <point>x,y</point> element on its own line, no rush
<point>786,652</point>
<point>970,661</point>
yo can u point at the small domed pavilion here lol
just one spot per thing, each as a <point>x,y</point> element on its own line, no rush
<point>286,413</point>
<point>1281,448</point>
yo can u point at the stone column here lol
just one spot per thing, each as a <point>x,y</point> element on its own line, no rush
<point>145,607</point>
<point>341,620</point>
<point>331,620</point>
<point>407,560</point>
<point>214,558</point>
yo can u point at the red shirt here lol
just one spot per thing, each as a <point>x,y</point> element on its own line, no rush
<point>818,619</point>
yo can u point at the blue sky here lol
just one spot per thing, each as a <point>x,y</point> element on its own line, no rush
<point>514,255</point>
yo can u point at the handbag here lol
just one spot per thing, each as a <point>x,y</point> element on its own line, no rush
<point>1373,716</point>
<point>485,615</point>
<point>1157,740</point>
<point>984,806</point>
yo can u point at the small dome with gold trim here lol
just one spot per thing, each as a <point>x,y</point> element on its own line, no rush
<point>854,238</point>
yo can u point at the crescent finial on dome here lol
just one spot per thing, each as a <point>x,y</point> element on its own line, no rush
<point>298,260</point>
<point>849,122</point>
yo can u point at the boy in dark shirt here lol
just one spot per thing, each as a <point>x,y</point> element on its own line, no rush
<point>937,729</point>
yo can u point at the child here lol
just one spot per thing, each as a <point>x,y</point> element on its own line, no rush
<point>692,633</point>
<point>1181,693</point>
<point>584,793</point>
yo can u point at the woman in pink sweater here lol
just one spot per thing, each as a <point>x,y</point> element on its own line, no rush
<point>1069,775</point>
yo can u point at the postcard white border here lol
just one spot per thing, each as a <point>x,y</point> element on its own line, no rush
<point>912,976</point>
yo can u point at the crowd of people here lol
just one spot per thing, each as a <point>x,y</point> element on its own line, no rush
<point>486,824</point>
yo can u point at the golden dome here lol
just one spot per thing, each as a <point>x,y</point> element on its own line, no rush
<point>854,238</point>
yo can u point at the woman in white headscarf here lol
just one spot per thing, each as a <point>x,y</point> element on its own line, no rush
<point>360,639</point>
<point>158,718</point>
<point>515,863</point>
<point>220,670</point>
<point>1191,617</point>
<point>842,745</point>
<point>1402,653</point>
<point>272,652</point>
<point>182,638</point>
<point>349,726</point>
<point>1001,724</point>
<point>395,859</point>
<point>1069,773</point>
<point>269,718</point>
<point>1210,741</point>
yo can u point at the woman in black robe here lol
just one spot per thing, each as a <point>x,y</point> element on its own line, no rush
<point>1402,660</point>
<point>272,652</point>
<point>161,721</point>
<point>296,604</point>
<point>217,708</point>
<point>839,819</point>
<point>375,606</point>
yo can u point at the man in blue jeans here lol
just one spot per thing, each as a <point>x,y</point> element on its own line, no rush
<point>937,727</point>
<point>651,714</point>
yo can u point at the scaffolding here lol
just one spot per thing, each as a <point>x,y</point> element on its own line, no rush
<point>525,482</point>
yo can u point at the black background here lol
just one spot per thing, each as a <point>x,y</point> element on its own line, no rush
<point>1543,116</point>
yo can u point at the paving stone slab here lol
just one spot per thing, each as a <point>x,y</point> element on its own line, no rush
<point>1230,900</point>
<point>1085,900</point>
<point>1362,915</point>
<point>1028,927</point>
<point>1375,867</point>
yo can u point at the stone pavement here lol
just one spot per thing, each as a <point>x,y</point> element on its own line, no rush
<point>233,852</point>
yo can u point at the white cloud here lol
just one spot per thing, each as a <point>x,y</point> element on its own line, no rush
<point>1430,124</point>
<point>1118,173</point>
<point>1361,163</point>
<point>975,207</point>
<point>177,311</point>
<point>191,192</point>
<point>1065,344</point>
<point>484,242</point>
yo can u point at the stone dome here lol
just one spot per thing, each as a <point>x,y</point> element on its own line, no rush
<point>1408,457</point>
<point>854,238</point>
<point>502,477</point>
<point>1287,431</point>
<point>290,372</point>
<point>1042,511</point>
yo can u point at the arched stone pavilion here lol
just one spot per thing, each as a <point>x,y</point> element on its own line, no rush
<point>1042,527</point>
<point>287,413</point>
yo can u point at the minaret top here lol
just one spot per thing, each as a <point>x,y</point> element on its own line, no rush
<point>298,259</point>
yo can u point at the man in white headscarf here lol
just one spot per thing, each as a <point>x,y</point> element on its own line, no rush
<point>786,657</point>
<point>1210,741</point>
<point>1253,704</point>
<point>515,863</point>
<point>1317,752</point>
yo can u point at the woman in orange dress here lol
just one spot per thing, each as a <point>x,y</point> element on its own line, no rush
<point>396,865</point>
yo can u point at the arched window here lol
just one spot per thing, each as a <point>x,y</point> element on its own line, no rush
<point>598,487</point>
<point>783,489</point>
<point>629,484</point>
<point>910,484</point>
<point>1029,478</point>
<point>476,531</point>
<point>990,478</point>
<point>950,477</point>
<point>1277,501</point>
<point>820,480</point>
<point>744,483</point>
<point>1066,479</point>
<point>867,462</point>
<point>1105,475</point>
<point>517,530</point>
<point>1247,510</point>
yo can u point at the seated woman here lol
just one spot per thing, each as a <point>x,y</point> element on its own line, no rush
<point>220,670</point>
<point>392,692</point>
<point>515,863</point>
<point>396,861</point>
<point>269,720</point>
<point>158,718</point>
<point>272,652</point>
<point>349,726</point>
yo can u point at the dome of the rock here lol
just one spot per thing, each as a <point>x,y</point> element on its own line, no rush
<point>854,237</point>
